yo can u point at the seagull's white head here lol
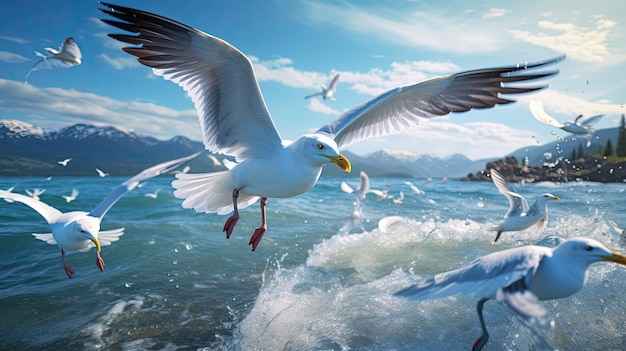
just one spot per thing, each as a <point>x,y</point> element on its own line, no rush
<point>86,228</point>
<point>320,150</point>
<point>586,251</point>
<point>544,198</point>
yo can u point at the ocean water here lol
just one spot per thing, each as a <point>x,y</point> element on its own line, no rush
<point>320,279</point>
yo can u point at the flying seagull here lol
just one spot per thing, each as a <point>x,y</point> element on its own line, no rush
<point>327,93</point>
<point>101,173</point>
<point>79,230</point>
<point>72,196</point>
<point>235,121</point>
<point>64,162</point>
<point>578,126</point>
<point>520,216</point>
<point>68,55</point>
<point>518,278</point>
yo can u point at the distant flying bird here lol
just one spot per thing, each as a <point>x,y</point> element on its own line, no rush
<point>362,190</point>
<point>235,121</point>
<point>79,230</point>
<point>214,160</point>
<point>621,232</point>
<point>327,93</point>
<point>68,55</point>
<point>64,162</point>
<point>520,216</point>
<point>35,193</point>
<point>399,199</point>
<point>101,173</point>
<point>415,189</point>
<point>72,196</point>
<point>577,126</point>
<point>153,195</point>
<point>518,278</point>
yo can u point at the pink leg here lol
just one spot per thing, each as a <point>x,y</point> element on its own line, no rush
<point>68,269</point>
<point>99,261</point>
<point>256,237</point>
<point>232,220</point>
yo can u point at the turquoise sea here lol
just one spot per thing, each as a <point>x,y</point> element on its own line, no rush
<point>320,279</point>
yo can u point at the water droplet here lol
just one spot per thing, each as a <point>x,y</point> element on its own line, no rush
<point>188,246</point>
<point>480,204</point>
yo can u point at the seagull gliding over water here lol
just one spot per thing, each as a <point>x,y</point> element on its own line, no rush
<point>235,121</point>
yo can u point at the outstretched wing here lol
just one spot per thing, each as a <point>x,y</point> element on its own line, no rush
<point>483,277</point>
<point>218,78</point>
<point>517,203</point>
<point>132,183</point>
<point>49,213</point>
<point>536,109</point>
<point>333,83</point>
<point>400,108</point>
<point>592,120</point>
<point>312,95</point>
<point>47,237</point>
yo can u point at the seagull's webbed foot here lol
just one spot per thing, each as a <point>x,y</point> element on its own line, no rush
<point>68,270</point>
<point>482,340</point>
<point>230,223</point>
<point>99,261</point>
<point>256,237</point>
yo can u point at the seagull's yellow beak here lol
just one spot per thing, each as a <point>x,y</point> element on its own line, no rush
<point>341,161</point>
<point>97,243</point>
<point>615,257</point>
<point>556,197</point>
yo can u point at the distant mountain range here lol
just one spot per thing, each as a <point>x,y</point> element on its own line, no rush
<point>27,150</point>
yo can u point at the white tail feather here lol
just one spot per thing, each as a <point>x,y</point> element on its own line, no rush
<point>210,192</point>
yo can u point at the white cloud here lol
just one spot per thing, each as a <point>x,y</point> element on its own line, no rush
<point>120,62</point>
<point>476,140</point>
<point>55,107</point>
<point>493,13</point>
<point>10,57</point>
<point>15,39</point>
<point>585,44</point>
<point>316,105</point>
<point>407,27</point>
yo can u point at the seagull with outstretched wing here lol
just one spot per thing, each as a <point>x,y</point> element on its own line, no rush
<point>235,121</point>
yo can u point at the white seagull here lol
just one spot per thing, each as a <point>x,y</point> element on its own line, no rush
<point>520,216</point>
<point>64,162</point>
<point>518,278</point>
<point>327,93</point>
<point>153,195</point>
<point>79,230</point>
<point>220,80</point>
<point>621,232</point>
<point>9,190</point>
<point>35,193</point>
<point>68,55</point>
<point>399,199</point>
<point>363,188</point>
<point>101,173</point>
<point>577,126</point>
<point>72,196</point>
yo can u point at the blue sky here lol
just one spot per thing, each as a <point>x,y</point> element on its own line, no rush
<point>297,45</point>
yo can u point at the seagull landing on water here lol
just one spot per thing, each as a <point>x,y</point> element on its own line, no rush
<point>578,126</point>
<point>79,230</point>
<point>68,55</point>
<point>519,215</point>
<point>35,193</point>
<point>220,80</point>
<point>327,93</point>
<point>518,278</point>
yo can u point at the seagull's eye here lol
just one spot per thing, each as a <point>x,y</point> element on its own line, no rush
<point>588,248</point>
<point>320,146</point>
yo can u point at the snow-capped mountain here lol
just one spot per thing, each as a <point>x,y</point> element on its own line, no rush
<point>28,150</point>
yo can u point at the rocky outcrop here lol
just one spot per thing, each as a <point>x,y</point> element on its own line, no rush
<point>591,168</point>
